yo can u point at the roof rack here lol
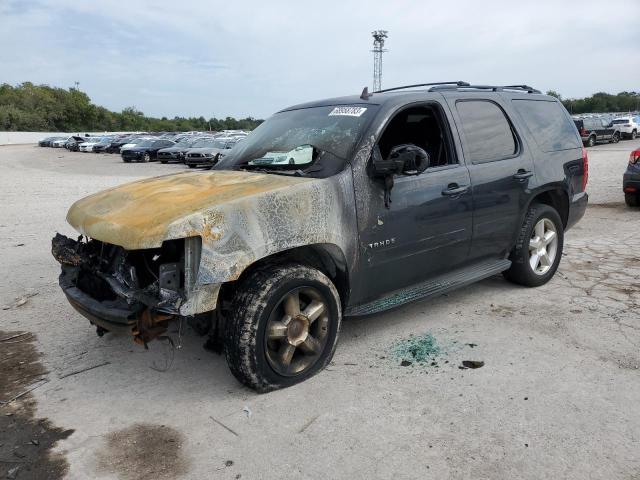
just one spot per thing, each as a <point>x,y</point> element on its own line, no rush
<point>435,86</point>
<point>495,88</point>
<point>459,83</point>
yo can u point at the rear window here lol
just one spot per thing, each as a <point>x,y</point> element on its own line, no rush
<point>549,124</point>
<point>488,134</point>
<point>621,121</point>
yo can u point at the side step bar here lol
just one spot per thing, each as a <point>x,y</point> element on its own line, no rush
<point>437,286</point>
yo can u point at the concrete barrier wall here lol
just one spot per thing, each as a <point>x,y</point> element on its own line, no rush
<point>18,138</point>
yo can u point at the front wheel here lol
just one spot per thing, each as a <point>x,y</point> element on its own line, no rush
<point>538,250</point>
<point>632,199</point>
<point>282,327</point>
<point>616,138</point>
<point>146,158</point>
<point>592,141</point>
<point>634,134</point>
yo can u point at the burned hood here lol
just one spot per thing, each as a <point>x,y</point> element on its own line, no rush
<point>143,214</point>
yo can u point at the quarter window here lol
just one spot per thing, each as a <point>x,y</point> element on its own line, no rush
<point>488,133</point>
<point>549,124</point>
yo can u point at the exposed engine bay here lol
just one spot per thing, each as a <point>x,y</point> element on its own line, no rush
<point>127,291</point>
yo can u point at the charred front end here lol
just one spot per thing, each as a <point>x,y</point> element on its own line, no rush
<point>134,292</point>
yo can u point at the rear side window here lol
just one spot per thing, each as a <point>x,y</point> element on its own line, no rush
<point>488,133</point>
<point>548,124</point>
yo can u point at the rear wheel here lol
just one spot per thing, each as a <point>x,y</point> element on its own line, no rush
<point>634,134</point>
<point>146,158</point>
<point>283,326</point>
<point>592,141</point>
<point>632,199</point>
<point>615,138</point>
<point>164,162</point>
<point>190,165</point>
<point>538,250</point>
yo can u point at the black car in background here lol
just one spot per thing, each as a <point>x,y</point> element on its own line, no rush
<point>102,145</point>
<point>177,152</point>
<point>594,130</point>
<point>73,141</point>
<point>46,142</point>
<point>117,143</point>
<point>145,151</point>
<point>73,144</point>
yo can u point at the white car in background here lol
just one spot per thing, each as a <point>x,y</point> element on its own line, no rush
<point>88,145</point>
<point>59,143</point>
<point>629,126</point>
<point>133,143</point>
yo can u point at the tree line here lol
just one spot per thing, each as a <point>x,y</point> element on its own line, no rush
<point>41,108</point>
<point>601,102</point>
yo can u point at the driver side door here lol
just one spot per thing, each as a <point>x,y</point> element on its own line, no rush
<point>425,232</point>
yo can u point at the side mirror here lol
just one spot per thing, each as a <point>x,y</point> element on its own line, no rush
<point>407,159</point>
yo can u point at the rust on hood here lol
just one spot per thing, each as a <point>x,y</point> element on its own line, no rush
<point>144,213</point>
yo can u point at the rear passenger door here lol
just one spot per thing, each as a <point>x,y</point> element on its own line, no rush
<point>500,170</point>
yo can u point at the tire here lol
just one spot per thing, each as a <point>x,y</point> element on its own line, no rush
<point>164,162</point>
<point>126,160</point>
<point>634,134</point>
<point>146,158</point>
<point>632,199</point>
<point>265,296</point>
<point>521,270</point>
<point>191,165</point>
<point>615,138</point>
<point>592,141</point>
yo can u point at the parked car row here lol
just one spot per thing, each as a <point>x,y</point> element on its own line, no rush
<point>606,129</point>
<point>195,149</point>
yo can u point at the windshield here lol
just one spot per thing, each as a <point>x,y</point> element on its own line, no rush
<point>316,131</point>
<point>145,143</point>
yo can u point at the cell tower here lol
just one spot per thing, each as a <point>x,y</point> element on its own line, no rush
<point>378,49</point>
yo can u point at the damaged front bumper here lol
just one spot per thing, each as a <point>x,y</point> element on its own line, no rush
<point>127,292</point>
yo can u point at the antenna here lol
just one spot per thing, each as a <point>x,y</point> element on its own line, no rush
<point>378,48</point>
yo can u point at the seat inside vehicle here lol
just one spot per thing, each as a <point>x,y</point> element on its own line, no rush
<point>420,126</point>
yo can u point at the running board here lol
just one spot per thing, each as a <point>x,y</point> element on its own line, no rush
<point>437,286</point>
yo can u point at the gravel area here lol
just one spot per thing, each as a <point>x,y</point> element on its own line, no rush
<point>557,397</point>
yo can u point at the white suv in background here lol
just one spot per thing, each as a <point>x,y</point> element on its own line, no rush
<point>629,126</point>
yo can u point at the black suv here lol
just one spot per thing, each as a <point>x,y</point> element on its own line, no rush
<point>341,207</point>
<point>594,130</point>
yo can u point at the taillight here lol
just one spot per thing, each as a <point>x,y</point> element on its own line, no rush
<point>583,132</point>
<point>585,169</point>
<point>634,157</point>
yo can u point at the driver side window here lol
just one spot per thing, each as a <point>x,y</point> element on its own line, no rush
<point>423,127</point>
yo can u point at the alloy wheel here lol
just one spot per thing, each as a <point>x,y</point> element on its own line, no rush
<point>543,246</point>
<point>296,333</point>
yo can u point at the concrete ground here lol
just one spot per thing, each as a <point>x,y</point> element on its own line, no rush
<point>558,397</point>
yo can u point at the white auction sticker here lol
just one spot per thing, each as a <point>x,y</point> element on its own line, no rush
<point>348,111</point>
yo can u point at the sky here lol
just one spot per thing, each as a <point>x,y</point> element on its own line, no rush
<point>252,58</point>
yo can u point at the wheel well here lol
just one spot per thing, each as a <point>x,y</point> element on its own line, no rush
<point>556,199</point>
<point>327,258</point>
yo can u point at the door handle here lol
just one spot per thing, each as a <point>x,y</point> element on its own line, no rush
<point>523,175</point>
<point>455,189</point>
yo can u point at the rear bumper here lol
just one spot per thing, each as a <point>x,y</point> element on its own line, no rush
<point>577,207</point>
<point>631,180</point>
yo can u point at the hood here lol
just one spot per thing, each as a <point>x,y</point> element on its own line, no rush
<point>143,214</point>
<point>200,150</point>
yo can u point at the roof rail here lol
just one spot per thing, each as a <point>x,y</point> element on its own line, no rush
<point>459,83</point>
<point>495,88</point>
